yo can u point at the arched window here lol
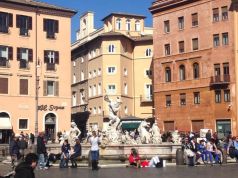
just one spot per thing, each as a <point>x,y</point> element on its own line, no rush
<point>128,25</point>
<point>148,52</point>
<point>167,74</point>
<point>118,24</point>
<point>182,72</point>
<point>137,26</point>
<point>195,70</point>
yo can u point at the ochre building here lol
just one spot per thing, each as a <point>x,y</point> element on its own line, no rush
<point>195,64</point>
<point>114,60</point>
<point>35,77</point>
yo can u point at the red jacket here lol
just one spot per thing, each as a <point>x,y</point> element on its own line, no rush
<point>133,159</point>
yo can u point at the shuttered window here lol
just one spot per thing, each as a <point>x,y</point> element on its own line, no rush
<point>195,43</point>
<point>24,23</point>
<point>215,14</point>
<point>51,27</point>
<point>3,85</point>
<point>5,22</point>
<point>51,88</point>
<point>23,86</point>
<point>194,19</point>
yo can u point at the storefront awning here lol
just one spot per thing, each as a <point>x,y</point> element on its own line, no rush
<point>5,123</point>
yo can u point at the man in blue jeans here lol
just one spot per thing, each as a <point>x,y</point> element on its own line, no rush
<point>41,151</point>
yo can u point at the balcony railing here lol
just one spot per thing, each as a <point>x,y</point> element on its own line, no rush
<point>4,62</point>
<point>24,64</point>
<point>146,98</point>
<point>220,79</point>
<point>50,67</point>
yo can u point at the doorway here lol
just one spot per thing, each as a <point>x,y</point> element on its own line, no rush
<point>50,127</point>
<point>223,128</point>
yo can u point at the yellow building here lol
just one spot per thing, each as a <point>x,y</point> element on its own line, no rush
<point>114,60</point>
<point>35,93</point>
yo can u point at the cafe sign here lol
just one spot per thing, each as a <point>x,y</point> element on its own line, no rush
<point>49,107</point>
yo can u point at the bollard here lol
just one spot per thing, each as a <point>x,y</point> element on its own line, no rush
<point>179,156</point>
<point>224,156</point>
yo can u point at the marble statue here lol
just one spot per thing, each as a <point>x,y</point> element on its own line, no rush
<point>155,134</point>
<point>144,134</point>
<point>74,133</point>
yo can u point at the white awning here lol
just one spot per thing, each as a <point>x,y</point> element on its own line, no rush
<point>5,123</point>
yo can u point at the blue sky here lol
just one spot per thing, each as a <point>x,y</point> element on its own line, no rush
<point>102,8</point>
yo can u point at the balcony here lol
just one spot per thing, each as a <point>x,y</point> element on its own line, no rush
<point>3,29</point>
<point>50,67</point>
<point>220,80</point>
<point>24,64</point>
<point>145,99</point>
<point>4,62</point>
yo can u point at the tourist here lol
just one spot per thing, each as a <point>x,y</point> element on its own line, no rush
<point>26,169</point>
<point>134,158</point>
<point>14,149</point>
<point>202,151</point>
<point>65,154</point>
<point>41,151</point>
<point>22,144</point>
<point>94,141</point>
<point>210,150</point>
<point>156,162</point>
<point>232,148</point>
<point>77,151</point>
<point>208,135</point>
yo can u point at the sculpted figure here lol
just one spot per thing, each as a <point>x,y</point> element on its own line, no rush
<point>73,133</point>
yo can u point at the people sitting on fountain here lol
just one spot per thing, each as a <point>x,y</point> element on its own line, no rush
<point>65,154</point>
<point>156,162</point>
<point>134,158</point>
<point>76,153</point>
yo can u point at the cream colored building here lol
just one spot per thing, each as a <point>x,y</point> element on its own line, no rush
<point>35,92</point>
<point>113,60</point>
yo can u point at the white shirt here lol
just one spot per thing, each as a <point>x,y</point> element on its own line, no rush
<point>94,143</point>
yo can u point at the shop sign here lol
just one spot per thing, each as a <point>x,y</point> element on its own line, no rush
<point>49,107</point>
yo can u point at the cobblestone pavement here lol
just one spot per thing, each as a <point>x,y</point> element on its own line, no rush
<point>225,171</point>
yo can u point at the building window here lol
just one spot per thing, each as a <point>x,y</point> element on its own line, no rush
<point>3,85</point>
<point>90,91</point>
<point>196,97</point>
<point>148,92</point>
<point>227,96</point>
<point>23,123</point>
<point>51,58</point>
<point>182,99</point>
<point>167,74</point>
<point>6,54</point>
<point>94,73</point>
<point>82,97</point>
<point>99,110</point>
<point>74,63</point>
<point>225,40</point>
<point>137,26</point>
<point>226,69</point>
<point>99,89</point>
<point>195,43</point>
<point>224,13</point>
<point>99,71</point>
<point>111,48</point>
<point>5,22</point>
<point>182,75</point>
<point>215,12</point>
<point>111,89</point>
<point>125,72</point>
<point>125,89</point>
<point>128,25</point>
<point>194,20</point>
<point>24,23</point>
<point>181,46</point>
<point>218,96</point>
<point>118,24</point>
<point>90,74</point>
<point>167,49</point>
<point>23,87</point>
<point>181,23</point>
<point>148,53</point>
<point>24,56</point>
<point>74,78</point>
<point>94,110</point>
<point>82,75</point>
<point>216,40</point>
<point>169,126</point>
<point>94,90</point>
<point>74,98</point>
<point>51,27</point>
<point>125,110</point>
<point>111,70</point>
<point>217,70</point>
<point>51,88</point>
<point>195,70</point>
<point>148,73</point>
<point>168,100</point>
<point>166,26</point>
